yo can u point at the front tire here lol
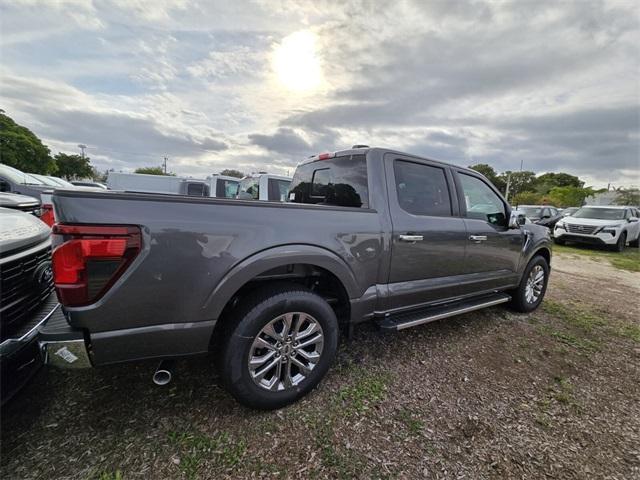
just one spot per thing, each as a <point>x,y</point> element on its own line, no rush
<point>559,241</point>
<point>283,344</point>
<point>529,294</point>
<point>621,243</point>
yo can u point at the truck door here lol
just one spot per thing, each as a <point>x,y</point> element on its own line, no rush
<point>493,249</point>
<point>429,237</point>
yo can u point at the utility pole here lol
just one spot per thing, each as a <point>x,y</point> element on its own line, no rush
<point>506,192</point>
<point>82,147</point>
<point>165,164</point>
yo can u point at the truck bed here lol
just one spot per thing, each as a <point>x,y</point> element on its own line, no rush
<point>195,252</point>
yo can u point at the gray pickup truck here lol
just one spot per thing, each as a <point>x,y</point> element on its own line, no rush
<point>367,234</point>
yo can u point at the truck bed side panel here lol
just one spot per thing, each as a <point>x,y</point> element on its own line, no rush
<point>189,245</point>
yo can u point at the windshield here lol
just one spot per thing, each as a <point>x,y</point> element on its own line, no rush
<point>62,182</point>
<point>16,176</point>
<point>44,180</point>
<point>600,213</point>
<point>530,211</point>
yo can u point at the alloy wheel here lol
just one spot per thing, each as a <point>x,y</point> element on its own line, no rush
<point>535,283</point>
<point>285,351</point>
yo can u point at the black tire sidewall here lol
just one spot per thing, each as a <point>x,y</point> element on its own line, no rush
<point>235,361</point>
<point>622,242</point>
<point>520,302</point>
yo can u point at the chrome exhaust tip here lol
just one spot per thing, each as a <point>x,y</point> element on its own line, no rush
<point>162,375</point>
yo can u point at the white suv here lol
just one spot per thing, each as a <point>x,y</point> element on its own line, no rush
<point>611,225</point>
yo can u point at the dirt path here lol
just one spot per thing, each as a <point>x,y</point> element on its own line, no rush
<point>491,395</point>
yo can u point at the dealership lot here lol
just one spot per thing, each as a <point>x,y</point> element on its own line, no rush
<point>487,395</point>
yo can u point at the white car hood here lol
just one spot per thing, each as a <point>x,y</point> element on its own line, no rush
<point>590,221</point>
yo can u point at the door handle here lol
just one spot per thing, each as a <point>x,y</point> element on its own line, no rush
<point>478,238</point>
<point>411,238</point>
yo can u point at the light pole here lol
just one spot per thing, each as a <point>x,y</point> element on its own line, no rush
<point>82,147</point>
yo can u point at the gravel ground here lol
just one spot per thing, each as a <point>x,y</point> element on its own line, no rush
<point>491,394</point>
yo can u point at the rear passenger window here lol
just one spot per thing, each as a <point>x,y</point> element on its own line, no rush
<point>340,181</point>
<point>422,189</point>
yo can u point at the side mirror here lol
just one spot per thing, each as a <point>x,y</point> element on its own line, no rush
<point>515,220</point>
<point>633,220</point>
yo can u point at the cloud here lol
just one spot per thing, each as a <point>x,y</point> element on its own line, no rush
<point>553,84</point>
<point>285,140</point>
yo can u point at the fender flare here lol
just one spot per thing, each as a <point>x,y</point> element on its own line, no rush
<point>541,244</point>
<point>260,262</point>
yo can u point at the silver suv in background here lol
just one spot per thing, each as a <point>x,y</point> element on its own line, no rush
<point>610,226</point>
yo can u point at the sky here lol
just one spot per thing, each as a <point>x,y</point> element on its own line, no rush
<point>263,84</point>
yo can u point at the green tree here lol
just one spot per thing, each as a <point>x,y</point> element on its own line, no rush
<point>22,149</point>
<point>73,166</point>
<point>526,198</point>
<point>569,196</point>
<point>489,172</point>
<point>229,172</point>
<point>628,196</point>
<point>547,181</point>
<point>153,171</point>
<point>518,182</point>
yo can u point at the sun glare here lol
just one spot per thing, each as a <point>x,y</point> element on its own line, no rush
<point>296,63</point>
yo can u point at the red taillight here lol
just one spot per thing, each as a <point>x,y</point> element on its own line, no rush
<point>88,259</point>
<point>326,156</point>
<point>47,215</point>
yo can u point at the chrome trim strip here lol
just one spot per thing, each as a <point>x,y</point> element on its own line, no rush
<point>31,333</point>
<point>451,313</point>
<point>24,253</point>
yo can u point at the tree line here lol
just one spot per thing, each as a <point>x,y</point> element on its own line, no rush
<point>558,189</point>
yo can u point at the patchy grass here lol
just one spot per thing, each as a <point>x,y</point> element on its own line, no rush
<point>413,424</point>
<point>574,341</point>
<point>219,452</point>
<point>368,390</point>
<point>560,395</point>
<point>573,315</point>
<point>630,331</point>
<point>344,463</point>
<point>117,475</point>
<point>628,260</point>
<point>587,328</point>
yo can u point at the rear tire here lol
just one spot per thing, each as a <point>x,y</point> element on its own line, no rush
<point>529,294</point>
<point>275,323</point>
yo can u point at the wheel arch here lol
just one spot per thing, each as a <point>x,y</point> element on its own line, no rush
<point>253,267</point>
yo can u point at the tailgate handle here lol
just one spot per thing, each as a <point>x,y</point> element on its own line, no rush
<point>478,238</point>
<point>411,238</point>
